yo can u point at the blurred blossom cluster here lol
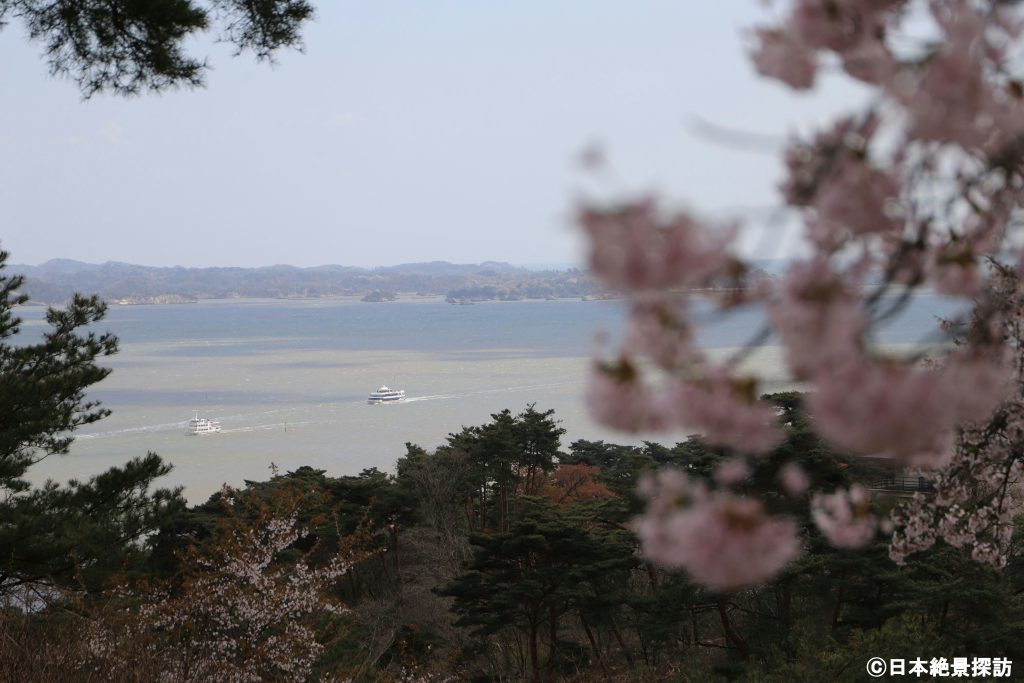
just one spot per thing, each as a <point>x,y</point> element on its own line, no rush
<point>921,187</point>
<point>722,540</point>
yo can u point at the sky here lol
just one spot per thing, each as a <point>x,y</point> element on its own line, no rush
<point>407,131</point>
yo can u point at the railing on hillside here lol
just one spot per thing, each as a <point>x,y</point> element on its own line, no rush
<point>904,485</point>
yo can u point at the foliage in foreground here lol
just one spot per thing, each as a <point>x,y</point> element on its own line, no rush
<point>468,564</point>
<point>57,538</point>
<point>128,47</point>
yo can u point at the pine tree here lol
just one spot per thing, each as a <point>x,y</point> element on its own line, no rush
<point>544,569</point>
<point>127,47</point>
<point>79,533</point>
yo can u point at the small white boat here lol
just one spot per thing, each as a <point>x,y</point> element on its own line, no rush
<point>385,395</point>
<point>202,425</point>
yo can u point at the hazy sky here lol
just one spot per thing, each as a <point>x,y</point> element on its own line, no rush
<point>409,130</point>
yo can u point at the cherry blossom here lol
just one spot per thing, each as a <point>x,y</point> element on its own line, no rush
<point>819,318</point>
<point>884,407</point>
<point>955,269</point>
<point>724,542</point>
<point>955,100</point>
<point>793,480</point>
<point>844,517</point>
<point>239,613</point>
<point>618,397</point>
<point>841,25</point>
<point>732,471</point>
<point>918,185</point>
<point>727,413</point>
<point>636,247</point>
<point>660,329</point>
<point>781,55</point>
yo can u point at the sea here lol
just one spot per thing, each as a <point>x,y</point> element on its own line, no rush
<point>288,379</point>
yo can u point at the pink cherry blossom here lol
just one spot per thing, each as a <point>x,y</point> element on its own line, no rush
<point>989,553</point>
<point>239,614</point>
<point>870,61</point>
<point>857,198</point>
<point>920,186</point>
<point>888,406</point>
<point>955,100</point>
<point>731,471</point>
<point>818,317</point>
<point>809,163</point>
<point>670,487</point>
<point>619,399</point>
<point>840,25</point>
<point>954,269</point>
<point>660,328</point>
<point>847,193</point>
<point>844,517</point>
<point>974,382</point>
<point>781,55</point>
<point>722,541</point>
<point>884,407</point>
<point>793,480</point>
<point>634,247</point>
<point>728,413</point>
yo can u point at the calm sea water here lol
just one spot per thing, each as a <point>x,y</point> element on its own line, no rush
<point>288,380</point>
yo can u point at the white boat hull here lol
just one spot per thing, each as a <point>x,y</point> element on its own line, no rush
<point>385,395</point>
<point>202,425</point>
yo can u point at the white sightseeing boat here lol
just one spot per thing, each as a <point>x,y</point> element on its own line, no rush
<point>385,395</point>
<point>202,425</point>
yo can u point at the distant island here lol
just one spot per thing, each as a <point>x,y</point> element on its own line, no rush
<point>55,281</point>
<point>380,295</point>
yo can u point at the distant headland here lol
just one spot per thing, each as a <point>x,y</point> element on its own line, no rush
<point>55,281</point>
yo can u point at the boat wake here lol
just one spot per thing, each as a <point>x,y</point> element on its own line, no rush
<point>276,426</point>
<point>183,425</point>
<point>482,392</point>
<point>279,423</point>
<point>506,390</point>
<point>146,429</point>
<point>434,397</point>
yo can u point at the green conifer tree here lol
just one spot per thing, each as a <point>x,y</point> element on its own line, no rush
<point>53,535</point>
<point>128,47</point>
